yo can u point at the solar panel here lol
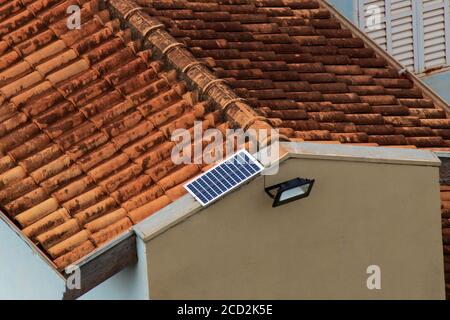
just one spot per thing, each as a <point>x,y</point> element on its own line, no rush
<point>224,177</point>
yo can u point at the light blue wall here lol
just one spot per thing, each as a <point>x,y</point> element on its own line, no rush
<point>345,7</point>
<point>129,284</point>
<point>23,273</point>
<point>440,83</point>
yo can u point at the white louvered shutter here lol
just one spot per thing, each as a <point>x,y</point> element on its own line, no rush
<point>366,20</point>
<point>415,32</point>
<point>435,33</point>
<point>402,37</point>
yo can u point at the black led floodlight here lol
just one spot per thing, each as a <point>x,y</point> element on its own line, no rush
<point>289,191</point>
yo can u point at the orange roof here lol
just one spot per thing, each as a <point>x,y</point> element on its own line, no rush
<point>86,115</point>
<point>295,63</point>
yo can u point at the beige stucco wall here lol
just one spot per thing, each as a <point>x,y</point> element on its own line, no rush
<point>359,214</point>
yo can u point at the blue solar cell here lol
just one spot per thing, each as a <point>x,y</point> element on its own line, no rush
<point>232,172</point>
<point>197,185</point>
<point>221,176</point>
<point>250,163</point>
<point>211,185</point>
<point>224,177</point>
<point>212,176</point>
<point>194,190</point>
<point>237,171</point>
<point>244,167</point>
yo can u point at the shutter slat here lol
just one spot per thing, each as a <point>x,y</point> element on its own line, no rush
<point>416,33</point>
<point>434,34</point>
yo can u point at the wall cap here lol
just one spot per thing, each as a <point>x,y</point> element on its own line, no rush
<point>341,152</point>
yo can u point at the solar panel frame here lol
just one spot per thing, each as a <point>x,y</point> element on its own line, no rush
<point>224,177</point>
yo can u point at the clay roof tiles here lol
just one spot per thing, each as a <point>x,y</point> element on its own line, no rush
<point>298,66</point>
<point>86,115</point>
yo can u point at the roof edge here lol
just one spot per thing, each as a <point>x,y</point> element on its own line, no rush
<point>426,90</point>
<point>166,218</point>
<point>154,33</point>
<point>342,152</point>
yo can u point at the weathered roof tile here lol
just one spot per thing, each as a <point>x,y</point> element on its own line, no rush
<point>87,114</point>
<point>149,208</point>
<point>37,212</point>
<point>111,231</point>
<point>47,223</point>
<point>75,254</point>
<point>58,234</point>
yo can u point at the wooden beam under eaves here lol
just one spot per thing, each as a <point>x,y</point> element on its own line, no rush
<point>99,267</point>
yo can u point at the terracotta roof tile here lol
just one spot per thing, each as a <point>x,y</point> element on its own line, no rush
<point>69,244</point>
<point>111,231</point>
<point>61,179</point>
<point>37,212</point>
<point>75,254</point>
<point>47,223</point>
<point>445,205</point>
<point>58,234</point>
<point>26,201</point>
<point>11,176</point>
<point>89,140</point>
<point>246,60</point>
<point>106,220</point>
<point>148,209</point>
<point>15,190</point>
<point>96,210</point>
<point>176,192</point>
